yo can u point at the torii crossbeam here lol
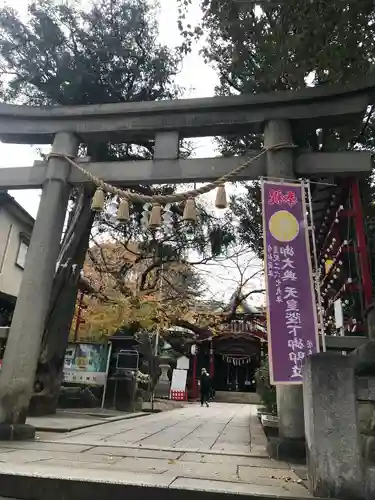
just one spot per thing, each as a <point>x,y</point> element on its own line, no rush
<point>166,122</point>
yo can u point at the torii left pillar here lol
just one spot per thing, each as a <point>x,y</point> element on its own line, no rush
<point>26,331</point>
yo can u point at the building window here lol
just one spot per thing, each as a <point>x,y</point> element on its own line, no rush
<point>21,256</point>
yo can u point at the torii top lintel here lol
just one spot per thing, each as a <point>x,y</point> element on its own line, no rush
<point>311,107</point>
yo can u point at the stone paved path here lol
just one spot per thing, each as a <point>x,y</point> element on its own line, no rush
<point>221,448</point>
<point>219,428</point>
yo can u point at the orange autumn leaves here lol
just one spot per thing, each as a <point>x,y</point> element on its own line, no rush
<point>115,270</point>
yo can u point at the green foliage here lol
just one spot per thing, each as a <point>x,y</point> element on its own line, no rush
<point>247,209</point>
<point>266,391</point>
<point>274,46</point>
<point>107,52</point>
<point>263,46</point>
<point>220,238</point>
<point>66,55</point>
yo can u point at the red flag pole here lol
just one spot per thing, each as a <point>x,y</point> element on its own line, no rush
<point>194,378</point>
<point>364,263</point>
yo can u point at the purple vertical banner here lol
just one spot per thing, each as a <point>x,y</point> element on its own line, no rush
<point>291,313</point>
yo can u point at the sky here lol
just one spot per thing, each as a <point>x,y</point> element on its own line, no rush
<point>199,80</point>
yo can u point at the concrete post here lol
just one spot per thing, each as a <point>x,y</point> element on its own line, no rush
<point>22,351</point>
<point>370,320</point>
<point>334,456</point>
<point>290,411</point>
<point>289,398</point>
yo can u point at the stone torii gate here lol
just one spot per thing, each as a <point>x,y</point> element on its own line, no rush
<point>280,115</point>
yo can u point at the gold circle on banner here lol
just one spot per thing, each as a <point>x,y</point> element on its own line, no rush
<point>283,226</point>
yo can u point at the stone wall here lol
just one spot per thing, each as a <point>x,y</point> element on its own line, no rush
<point>339,406</point>
<point>365,386</point>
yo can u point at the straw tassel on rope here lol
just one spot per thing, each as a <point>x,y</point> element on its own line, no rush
<point>98,200</point>
<point>155,216</point>
<point>123,214</point>
<point>221,197</point>
<point>190,212</point>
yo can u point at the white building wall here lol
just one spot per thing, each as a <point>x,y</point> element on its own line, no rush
<point>10,242</point>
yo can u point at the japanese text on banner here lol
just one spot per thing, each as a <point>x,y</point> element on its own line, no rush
<point>292,318</point>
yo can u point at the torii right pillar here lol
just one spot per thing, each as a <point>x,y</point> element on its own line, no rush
<point>291,441</point>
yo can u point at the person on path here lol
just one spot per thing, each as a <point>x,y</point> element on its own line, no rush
<point>205,385</point>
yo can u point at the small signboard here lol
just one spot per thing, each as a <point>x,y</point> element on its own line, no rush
<point>183,363</point>
<point>86,364</point>
<point>179,380</point>
<point>339,317</point>
<point>127,360</point>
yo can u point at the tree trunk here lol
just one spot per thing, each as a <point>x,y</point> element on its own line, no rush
<point>49,373</point>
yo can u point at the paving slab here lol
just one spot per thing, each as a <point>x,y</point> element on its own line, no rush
<point>170,428</point>
<point>258,451</point>
<point>218,449</point>
<point>251,474</point>
<point>238,488</point>
<point>121,451</point>
<point>101,468</point>
<point>175,468</point>
<point>4,456</point>
<point>240,460</point>
<point>41,445</point>
<point>19,456</point>
<point>65,421</point>
<point>211,477</point>
<point>107,475</point>
<point>196,442</point>
<point>84,440</point>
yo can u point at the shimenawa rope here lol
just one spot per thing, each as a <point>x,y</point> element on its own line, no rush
<point>172,198</point>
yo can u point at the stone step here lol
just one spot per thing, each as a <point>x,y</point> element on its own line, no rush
<point>237,397</point>
<point>83,484</point>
